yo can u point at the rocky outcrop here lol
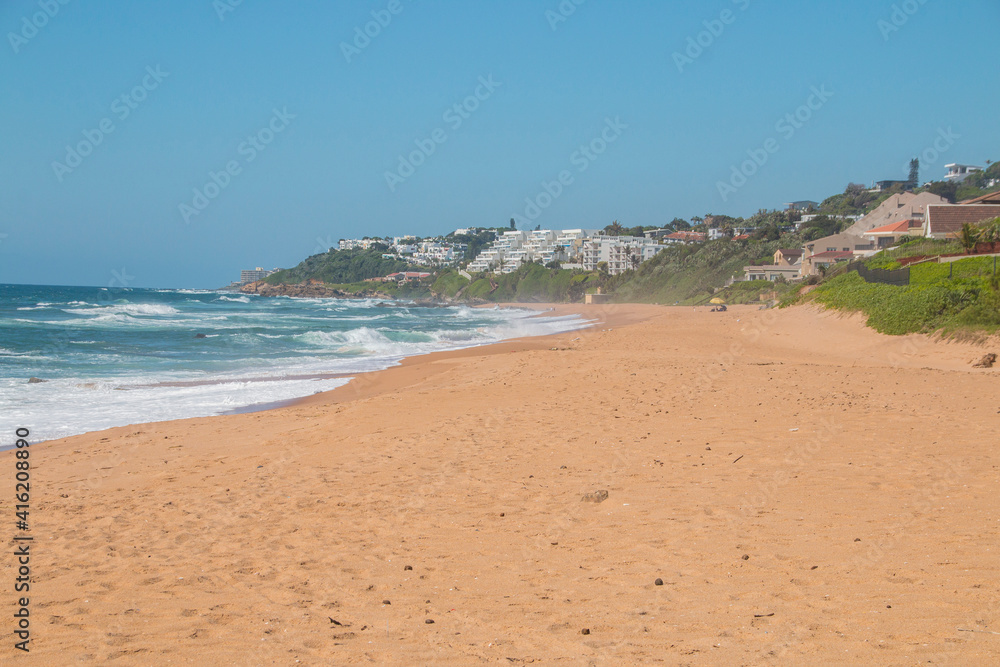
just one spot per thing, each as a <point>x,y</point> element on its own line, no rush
<point>313,289</point>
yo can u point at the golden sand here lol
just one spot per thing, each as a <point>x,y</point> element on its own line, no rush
<point>806,491</point>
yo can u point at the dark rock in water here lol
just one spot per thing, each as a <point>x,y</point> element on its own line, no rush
<point>200,336</point>
<point>595,497</point>
<point>36,380</point>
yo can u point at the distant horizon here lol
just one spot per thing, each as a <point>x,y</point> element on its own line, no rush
<point>265,133</point>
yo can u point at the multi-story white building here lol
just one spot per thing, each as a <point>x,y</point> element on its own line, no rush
<point>620,252</point>
<point>254,275</point>
<point>359,244</point>
<point>499,256</point>
<point>580,247</point>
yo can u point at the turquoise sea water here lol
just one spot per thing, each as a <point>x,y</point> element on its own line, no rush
<point>111,357</point>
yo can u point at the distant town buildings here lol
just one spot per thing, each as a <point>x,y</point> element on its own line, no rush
<point>571,248</point>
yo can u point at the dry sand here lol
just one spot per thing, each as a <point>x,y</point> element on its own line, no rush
<point>808,491</point>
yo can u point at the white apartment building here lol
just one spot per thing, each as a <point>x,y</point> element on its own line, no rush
<point>358,244</point>
<point>581,247</point>
<point>620,252</point>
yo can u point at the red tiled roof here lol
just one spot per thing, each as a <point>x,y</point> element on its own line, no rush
<point>832,254</point>
<point>686,236</point>
<point>900,227</point>
<point>948,219</point>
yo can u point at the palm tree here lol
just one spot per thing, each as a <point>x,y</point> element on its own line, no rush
<point>614,229</point>
<point>968,237</point>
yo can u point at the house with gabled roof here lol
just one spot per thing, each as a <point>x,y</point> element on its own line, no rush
<point>889,235</point>
<point>945,222</point>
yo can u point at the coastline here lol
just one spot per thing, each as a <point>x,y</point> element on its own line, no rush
<point>842,464</point>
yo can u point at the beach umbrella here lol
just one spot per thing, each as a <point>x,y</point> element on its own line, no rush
<point>717,300</point>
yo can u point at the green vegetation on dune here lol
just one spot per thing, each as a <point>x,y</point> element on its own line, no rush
<point>340,267</point>
<point>690,273</point>
<point>962,295</point>
<point>533,283</point>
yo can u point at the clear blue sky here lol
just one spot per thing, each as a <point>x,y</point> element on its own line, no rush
<point>323,175</point>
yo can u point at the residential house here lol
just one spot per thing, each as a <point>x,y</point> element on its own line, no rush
<point>897,208</point>
<point>889,235</point>
<point>882,186</point>
<point>787,265</point>
<point>990,198</point>
<point>803,206</point>
<point>788,256</point>
<point>959,172</point>
<point>815,264</point>
<point>833,249</point>
<point>945,221</point>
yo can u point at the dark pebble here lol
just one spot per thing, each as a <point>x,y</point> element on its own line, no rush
<point>857,539</point>
<point>746,557</point>
<point>585,631</point>
<point>407,567</point>
<point>501,514</point>
<point>429,621</point>
<point>658,582</point>
<point>386,602</point>
<point>814,567</point>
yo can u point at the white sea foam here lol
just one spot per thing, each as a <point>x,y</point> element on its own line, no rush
<point>139,309</point>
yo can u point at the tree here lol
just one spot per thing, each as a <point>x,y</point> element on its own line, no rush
<point>614,229</point>
<point>944,189</point>
<point>679,224</point>
<point>914,173</point>
<point>635,258</point>
<point>513,225</point>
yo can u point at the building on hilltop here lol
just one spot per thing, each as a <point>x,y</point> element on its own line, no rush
<point>897,208</point>
<point>254,275</point>
<point>959,172</point>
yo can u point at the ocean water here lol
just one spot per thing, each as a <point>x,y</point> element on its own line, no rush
<point>112,357</point>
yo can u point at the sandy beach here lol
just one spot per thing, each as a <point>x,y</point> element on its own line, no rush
<point>782,487</point>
